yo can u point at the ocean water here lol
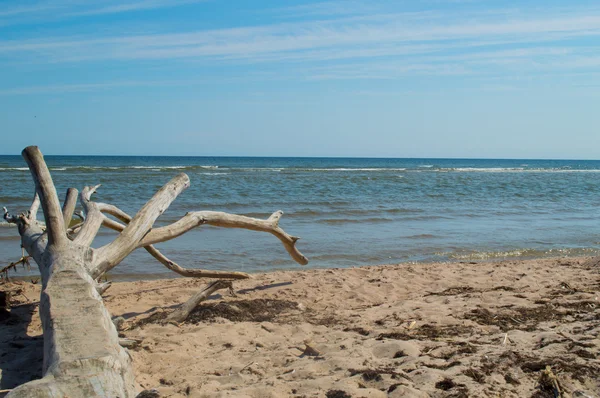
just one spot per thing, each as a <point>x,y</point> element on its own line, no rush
<point>348,212</point>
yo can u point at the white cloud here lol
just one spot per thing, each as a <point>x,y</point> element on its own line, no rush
<point>359,46</point>
<point>87,87</point>
<point>386,36</point>
<point>39,11</point>
<point>121,7</point>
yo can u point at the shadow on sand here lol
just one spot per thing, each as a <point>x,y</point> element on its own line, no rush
<point>21,355</point>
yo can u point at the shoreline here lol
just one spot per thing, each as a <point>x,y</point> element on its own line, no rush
<point>413,329</point>
<point>168,275</point>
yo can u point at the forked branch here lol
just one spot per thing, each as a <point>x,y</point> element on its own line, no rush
<point>69,206</point>
<point>10,218</point>
<point>192,220</point>
<point>113,253</point>
<point>139,233</point>
<point>57,233</point>
<point>154,252</point>
<point>35,206</point>
<point>24,218</point>
<point>226,220</point>
<point>181,313</point>
<point>93,217</point>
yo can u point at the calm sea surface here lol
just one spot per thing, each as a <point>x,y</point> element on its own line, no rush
<point>347,211</point>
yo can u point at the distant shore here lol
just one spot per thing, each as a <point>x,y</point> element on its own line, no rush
<point>414,330</point>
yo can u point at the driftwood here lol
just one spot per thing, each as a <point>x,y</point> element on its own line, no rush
<point>181,313</point>
<point>83,356</point>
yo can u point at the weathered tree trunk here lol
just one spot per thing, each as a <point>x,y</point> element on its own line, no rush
<point>82,355</point>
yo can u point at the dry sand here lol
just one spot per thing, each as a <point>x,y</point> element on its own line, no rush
<point>407,330</point>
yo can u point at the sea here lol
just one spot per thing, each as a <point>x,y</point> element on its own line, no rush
<point>347,211</point>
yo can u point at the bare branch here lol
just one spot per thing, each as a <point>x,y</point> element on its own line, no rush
<point>128,240</point>
<point>10,218</point>
<point>22,221</point>
<point>112,224</point>
<point>93,217</point>
<point>33,237</point>
<point>25,220</point>
<point>34,240</point>
<point>57,233</point>
<point>114,211</point>
<point>183,311</point>
<point>74,229</point>
<point>193,273</point>
<point>35,205</point>
<point>226,220</point>
<point>112,254</point>
<point>102,287</point>
<point>154,252</point>
<point>69,206</point>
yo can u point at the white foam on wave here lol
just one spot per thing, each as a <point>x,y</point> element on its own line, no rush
<point>516,170</point>
<point>421,168</point>
<point>270,169</point>
<point>164,167</point>
<point>154,167</point>
<point>485,169</point>
<point>567,171</point>
<point>303,169</point>
<point>518,253</point>
<point>354,169</point>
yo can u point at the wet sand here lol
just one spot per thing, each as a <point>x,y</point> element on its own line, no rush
<point>406,330</point>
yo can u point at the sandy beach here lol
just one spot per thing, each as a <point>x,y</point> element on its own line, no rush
<point>406,330</point>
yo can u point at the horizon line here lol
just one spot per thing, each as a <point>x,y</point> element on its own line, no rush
<point>322,157</point>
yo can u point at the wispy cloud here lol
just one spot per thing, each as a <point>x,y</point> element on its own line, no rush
<point>39,11</point>
<point>121,7</point>
<point>96,87</point>
<point>387,35</point>
<point>356,42</point>
<point>33,8</point>
<point>326,9</point>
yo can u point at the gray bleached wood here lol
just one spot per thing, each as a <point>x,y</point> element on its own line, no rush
<point>154,252</point>
<point>181,313</point>
<point>35,206</point>
<point>82,355</point>
<point>226,220</point>
<point>47,193</point>
<point>82,352</point>
<point>127,241</point>
<point>92,220</point>
<point>173,266</point>
<point>69,206</point>
<point>102,287</point>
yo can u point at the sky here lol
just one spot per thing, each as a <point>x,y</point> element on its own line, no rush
<point>405,78</point>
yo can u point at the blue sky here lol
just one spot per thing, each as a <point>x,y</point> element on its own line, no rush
<point>430,78</point>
